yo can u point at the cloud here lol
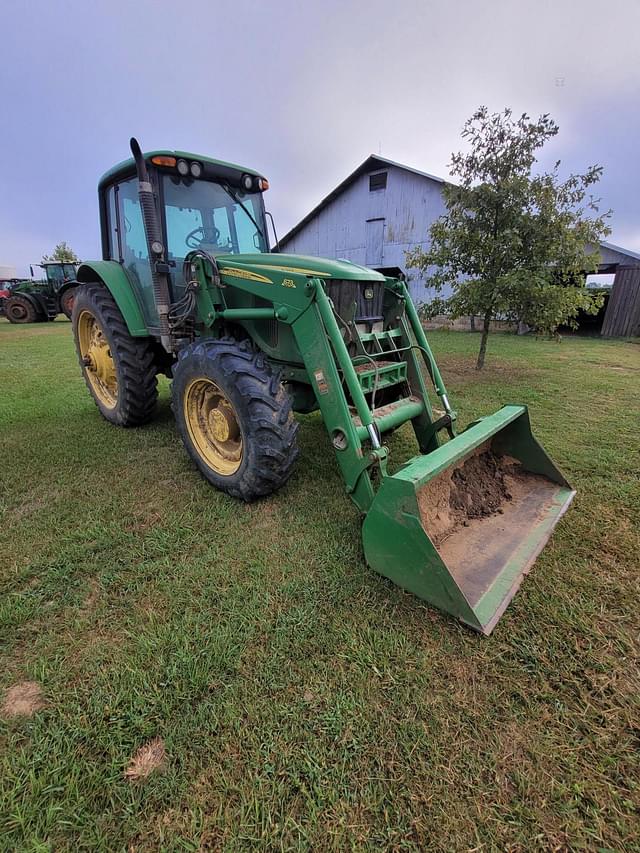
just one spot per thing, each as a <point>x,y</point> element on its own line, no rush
<point>303,92</point>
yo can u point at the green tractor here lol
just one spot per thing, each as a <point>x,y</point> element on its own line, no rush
<point>33,301</point>
<point>188,287</point>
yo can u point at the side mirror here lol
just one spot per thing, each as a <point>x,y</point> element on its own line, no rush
<point>31,268</point>
<point>276,247</point>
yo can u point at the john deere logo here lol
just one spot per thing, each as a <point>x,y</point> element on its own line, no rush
<point>368,293</point>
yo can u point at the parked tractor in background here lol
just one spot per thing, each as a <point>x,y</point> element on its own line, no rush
<point>32,301</point>
<point>187,286</point>
<point>6,286</point>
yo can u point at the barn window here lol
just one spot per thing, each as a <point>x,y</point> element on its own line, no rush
<point>377,181</point>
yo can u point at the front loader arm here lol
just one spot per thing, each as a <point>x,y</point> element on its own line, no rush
<point>355,460</point>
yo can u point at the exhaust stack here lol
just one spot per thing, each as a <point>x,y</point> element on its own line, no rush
<point>155,245</point>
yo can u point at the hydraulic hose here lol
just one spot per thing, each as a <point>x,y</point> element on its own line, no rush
<point>155,245</point>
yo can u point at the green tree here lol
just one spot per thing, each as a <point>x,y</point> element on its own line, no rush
<point>512,244</point>
<point>62,252</point>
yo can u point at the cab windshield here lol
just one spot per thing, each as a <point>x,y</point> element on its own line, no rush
<point>58,273</point>
<point>206,215</point>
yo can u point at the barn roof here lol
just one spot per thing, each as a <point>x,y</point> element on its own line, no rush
<point>614,248</point>
<point>373,162</point>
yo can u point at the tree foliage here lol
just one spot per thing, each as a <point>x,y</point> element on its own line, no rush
<point>513,244</point>
<point>62,252</point>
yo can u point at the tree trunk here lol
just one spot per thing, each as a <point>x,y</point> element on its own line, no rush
<point>483,341</point>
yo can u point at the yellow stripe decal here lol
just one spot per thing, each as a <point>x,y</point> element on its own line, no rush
<point>297,270</point>
<point>246,274</point>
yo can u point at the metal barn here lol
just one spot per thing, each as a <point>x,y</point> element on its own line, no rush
<point>384,208</point>
<point>372,218</point>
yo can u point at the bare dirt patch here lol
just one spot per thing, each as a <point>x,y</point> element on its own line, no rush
<point>145,517</point>
<point>263,515</point>
<point>28,508</point>
<point>621,369</point>
<point>93,596</point>
<point>460,370</point>
<point>149,758</point>
<point>23,699</point>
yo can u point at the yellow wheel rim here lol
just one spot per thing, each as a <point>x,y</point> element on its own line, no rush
<point>97,360</point>
<point>213,426</point>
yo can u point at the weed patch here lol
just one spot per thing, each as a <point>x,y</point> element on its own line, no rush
<point>235,677</point>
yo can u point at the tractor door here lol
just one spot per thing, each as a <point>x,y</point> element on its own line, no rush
<point>128,244</point>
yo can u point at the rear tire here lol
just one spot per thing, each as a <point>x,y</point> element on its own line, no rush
<point>66,301</point>
<point>119,370</point>
<point>234,417</point>
<point>19,309</point>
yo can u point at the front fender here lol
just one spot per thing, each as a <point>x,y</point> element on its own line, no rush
<point>114,278</point>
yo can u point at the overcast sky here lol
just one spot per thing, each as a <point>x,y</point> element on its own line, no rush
<point>302,91</point>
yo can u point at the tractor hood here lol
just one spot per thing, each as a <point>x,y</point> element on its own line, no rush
<point>302,265</point>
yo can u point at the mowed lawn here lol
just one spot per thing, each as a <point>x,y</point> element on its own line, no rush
<point>302,702</point>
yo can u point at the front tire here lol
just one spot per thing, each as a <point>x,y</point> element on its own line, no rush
<point>119,370</point>
<point>234,417</point>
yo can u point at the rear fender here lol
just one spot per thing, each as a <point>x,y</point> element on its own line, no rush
<point>114,278</point>
<point>67,286</point>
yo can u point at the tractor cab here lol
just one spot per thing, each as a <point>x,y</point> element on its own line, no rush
<point>57,273</point>
<point>202,204</point>
<point>57,291</point>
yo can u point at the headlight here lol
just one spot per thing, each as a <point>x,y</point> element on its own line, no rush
<point>183,168</point>
<point>196,170</point>
<point>247,182</point>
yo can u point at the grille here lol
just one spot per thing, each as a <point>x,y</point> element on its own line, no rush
<point>368,296</point>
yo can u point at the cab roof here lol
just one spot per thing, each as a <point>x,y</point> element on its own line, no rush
<point>126,168</point>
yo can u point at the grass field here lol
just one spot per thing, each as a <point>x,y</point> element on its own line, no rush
<point>303,702</point>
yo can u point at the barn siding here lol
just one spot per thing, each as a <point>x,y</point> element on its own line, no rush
<point>610,255</point>
<point>623,311</point>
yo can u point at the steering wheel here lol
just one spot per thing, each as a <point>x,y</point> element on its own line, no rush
<point>209,235</point>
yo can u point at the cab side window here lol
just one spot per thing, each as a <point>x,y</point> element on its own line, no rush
<point>114,249</point>
<point>131,242</point>
<point>132,238</point>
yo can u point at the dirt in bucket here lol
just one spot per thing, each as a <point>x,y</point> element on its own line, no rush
<point>475,488</point>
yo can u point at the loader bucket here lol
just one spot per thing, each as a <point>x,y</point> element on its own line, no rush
<point>461,526</point>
